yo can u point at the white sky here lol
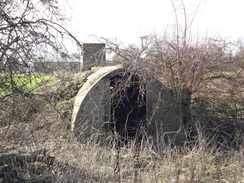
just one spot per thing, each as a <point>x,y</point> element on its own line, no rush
<point>127,20</point>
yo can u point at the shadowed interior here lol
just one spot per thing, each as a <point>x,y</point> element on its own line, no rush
<point>128,105</point>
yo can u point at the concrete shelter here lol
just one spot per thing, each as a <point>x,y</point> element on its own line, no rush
<point>98,109</point>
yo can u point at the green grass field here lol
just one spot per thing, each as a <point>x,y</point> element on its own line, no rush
<point>218,75</point>
<point>8,82</point>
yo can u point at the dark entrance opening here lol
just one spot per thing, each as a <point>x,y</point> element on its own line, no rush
<point>128,105</point>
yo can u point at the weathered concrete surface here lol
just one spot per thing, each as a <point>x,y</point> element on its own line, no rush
<point>91,102</point>
<point>92,54</point>
<point>164,122</point>
<point>92,108</point>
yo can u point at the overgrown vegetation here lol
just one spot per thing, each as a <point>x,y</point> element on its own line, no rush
<point>36,144</point>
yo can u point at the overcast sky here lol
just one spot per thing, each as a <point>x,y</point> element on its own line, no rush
<point>127,20</point>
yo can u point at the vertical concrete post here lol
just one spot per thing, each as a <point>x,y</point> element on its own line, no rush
<point>92,54</point>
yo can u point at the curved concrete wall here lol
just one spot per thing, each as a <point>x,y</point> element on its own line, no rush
<point>92,108</point>
<point>92,102</point>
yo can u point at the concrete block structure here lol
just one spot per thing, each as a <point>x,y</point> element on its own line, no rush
<point>98,111</point>
<point>92,54</point>
<point>102,106</point>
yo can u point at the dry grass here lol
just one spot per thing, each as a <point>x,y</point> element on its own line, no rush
<point>73,161</point>
<point>42,149</point>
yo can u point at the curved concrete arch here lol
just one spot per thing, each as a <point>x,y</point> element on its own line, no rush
<point>93,106</point>
<point>89,110</point>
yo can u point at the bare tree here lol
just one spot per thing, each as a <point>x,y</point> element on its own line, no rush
<point>176,58</point>
<point>29,30</point>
